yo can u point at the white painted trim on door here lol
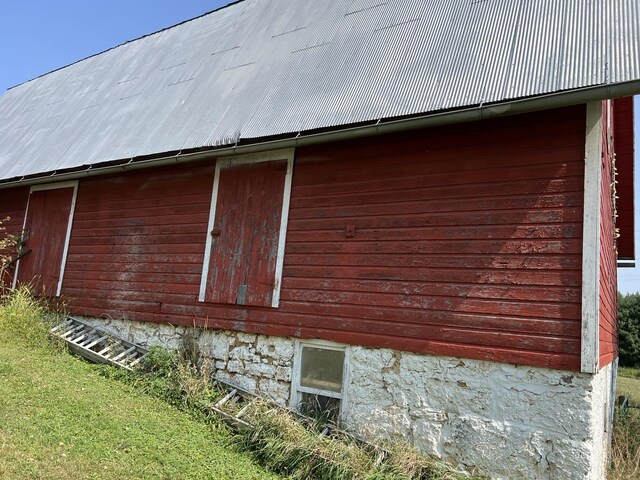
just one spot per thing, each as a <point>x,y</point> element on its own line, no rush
<point>589,352</point>
<point>284,154</point>
<point>207,246</point>
<point>67,238</point>
<point>54,186</point>
<point>282,238</point>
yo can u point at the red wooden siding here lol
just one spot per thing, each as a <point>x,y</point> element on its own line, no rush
<point>138,242</point>
<point>608,337</point>
<point>246,230</point>
<point>462,240</point>
<point>13,203</point>
<point>46,230</point>
<point>623,144</point>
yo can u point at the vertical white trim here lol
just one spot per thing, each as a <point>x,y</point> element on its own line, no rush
<point>207,245</point>
<point>282,238</point>
<point>591,240</point>
<point>67,239</point>
<point>285,154</point>
<point>53,186</point>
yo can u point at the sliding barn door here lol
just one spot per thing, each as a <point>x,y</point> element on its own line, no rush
<point>46,229</point>
<point>245,234</point>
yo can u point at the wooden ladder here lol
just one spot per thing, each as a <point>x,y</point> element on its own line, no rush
<point>98,346</point>
<point>233,406</point>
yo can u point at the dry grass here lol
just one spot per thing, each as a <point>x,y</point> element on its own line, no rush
<point>625,450</point>
<point>289,447</point>
<point>26,317</point>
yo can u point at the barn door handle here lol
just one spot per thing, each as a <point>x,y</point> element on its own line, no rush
<point>216,232</point>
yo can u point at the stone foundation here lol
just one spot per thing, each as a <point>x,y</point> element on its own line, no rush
<point>501,420</point>
<point>256,363</point>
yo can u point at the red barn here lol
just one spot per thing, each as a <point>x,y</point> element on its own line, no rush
<point>409,212</point>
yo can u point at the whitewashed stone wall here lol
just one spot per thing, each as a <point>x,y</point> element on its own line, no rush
<point>506,421</point>
<point>257,363</point>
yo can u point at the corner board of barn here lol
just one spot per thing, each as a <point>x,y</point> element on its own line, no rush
<point>427,268</point>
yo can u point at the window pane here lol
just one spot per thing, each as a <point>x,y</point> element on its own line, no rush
<point>319,406</point>
<point>322,368</point>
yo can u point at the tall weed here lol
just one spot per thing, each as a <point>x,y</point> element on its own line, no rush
<point>298,449</point>
<point>24,316</point>
<point>625,449</point>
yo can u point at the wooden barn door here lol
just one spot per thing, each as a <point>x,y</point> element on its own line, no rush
<point>246,237</point>
<point>46,235</point>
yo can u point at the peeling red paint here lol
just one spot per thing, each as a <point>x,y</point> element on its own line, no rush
<point>467,242</point>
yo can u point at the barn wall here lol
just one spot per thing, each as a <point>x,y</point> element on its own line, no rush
<point>13,203</point>
<point>608,304</point>
<point>467,243</point>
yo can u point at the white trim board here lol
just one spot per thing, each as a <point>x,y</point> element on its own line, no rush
<point>53,186</point>
<point>589,351</point>
<point>285,154</point>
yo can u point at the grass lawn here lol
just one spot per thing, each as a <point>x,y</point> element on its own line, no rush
<point>60,420</point>
<point>629,384</point>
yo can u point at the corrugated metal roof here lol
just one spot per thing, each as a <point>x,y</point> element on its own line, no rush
<point>260,68</point>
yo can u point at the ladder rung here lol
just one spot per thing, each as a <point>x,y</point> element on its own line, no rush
<point>105,350</point>
<point>137,360</point>
<point>129,358</point>
<point>83,336</point>
<point>76,329</point>
<point>94,342</point>
<point>67,329</point>
<point>129,350</point>
<point>227,397</point>
<point>64,324</point>
<point>243,410</point>
<point>87,340</point>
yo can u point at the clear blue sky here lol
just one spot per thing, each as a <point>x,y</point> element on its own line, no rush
<point>37,36</point>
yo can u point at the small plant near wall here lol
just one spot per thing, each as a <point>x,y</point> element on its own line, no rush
<point>28,318</point>
<point>8,245</point>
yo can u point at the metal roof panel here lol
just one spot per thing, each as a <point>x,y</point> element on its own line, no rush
<point>261,68</point>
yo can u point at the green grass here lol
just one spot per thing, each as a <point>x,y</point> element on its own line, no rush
<point>625,450</point>
<point>59,419</point>
<point>629,384</point>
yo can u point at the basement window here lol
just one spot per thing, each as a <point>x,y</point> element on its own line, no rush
<point>320,374</point>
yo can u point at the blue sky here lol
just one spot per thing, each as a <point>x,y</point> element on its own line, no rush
<point>37,36</point>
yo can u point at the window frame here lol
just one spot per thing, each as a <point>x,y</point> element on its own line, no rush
<point>274,155</point>
<point>297,389</point>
